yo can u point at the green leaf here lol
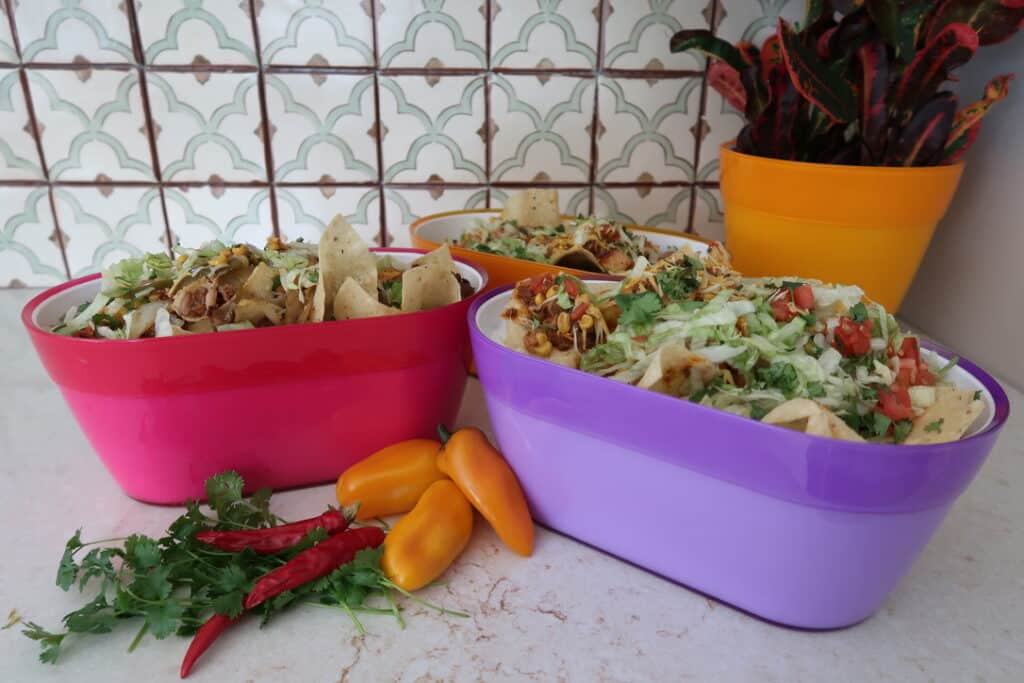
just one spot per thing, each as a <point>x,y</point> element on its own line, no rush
<point>817,83</point>
<point>154,585</point>
<point>781,376</point>
<point>68,569</point>
<point>815,389</point>
<point>223,490</point>
<point>97,563</point>
<point>858,313</point>
<point>50,642</point>
<point>900,430</point>
<point>637,309</point>
<point>141,552</point>
<point>702,40</point>
<point>676,283</point>
<point>880,424</point>
<point>95,617</point>
<point>163,619</point>
<point>232,578</point>
<point>229,604</point>
<point>934,426</point>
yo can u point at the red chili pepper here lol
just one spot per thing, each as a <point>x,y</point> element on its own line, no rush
<point>275,538</point>
<point>571,288</point>
<point>578,312</point>
<point>202,640</point>
<point>318,561</point>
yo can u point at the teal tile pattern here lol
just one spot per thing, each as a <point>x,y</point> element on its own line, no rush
<point>131,125</point>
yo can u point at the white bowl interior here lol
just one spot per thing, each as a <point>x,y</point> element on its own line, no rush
<point>52,310</point>
<point>490,322</point>
<point>445,228</point>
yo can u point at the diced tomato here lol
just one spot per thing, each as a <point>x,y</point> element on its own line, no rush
<point>578,312</point>
<point>540,283</point>
<point>571,288</point>
<point>925,375</point>
<point>909,349</point>
<point>853,339</point>
<point>895,404</point>
<point>781,310</point>
<point>906,376</point>
<point>803,297</point>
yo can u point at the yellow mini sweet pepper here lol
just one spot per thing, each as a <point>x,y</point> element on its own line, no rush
<point>424,543</point>
<point>391,480</point>
<point>482,474</point>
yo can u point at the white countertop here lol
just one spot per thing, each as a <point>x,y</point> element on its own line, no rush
<point>568,613</point>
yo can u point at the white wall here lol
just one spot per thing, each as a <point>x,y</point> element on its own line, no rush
<point>969,292</point>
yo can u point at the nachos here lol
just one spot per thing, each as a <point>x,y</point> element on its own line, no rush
<point>792,352</point>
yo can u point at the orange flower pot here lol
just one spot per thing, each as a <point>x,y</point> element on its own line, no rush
<point>863,225</point>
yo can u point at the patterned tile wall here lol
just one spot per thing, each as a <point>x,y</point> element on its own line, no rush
<point>131,125</point>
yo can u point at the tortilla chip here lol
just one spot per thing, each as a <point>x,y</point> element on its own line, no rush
<point>259,284</point>
<point>578,258</point>
<point>292,307</point>
<point>200,326</point>
<point>342,254</point>
<point>533,208</point>
<point>442,256</point>
<point>805,415</point>
<point>950,416</point>
<point>427,287</point>
<point>309,308</point>
<point>256,311</point>
<point>352,302</point>
<point>677,371</point>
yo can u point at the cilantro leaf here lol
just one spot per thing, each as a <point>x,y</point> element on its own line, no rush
<point>638,309</point>
<point>757,411</point>
<point>977,395</point>
<point>900,430</point>
<point>229,604</point>
<point>223,490</point>
<point>96,617</point>
<point>815,389</point>
<point>97,563</point>
<point>858,313</point>
<point>880,424</point>
<point>68,569</point>
<point>162,619</point>
<point>781,376</point>
<point>676,283</point>
<point>141,552</point>
<point>935,426</point>
<point>231,578</point>
<point>154,585</point>
<point>50,642</point>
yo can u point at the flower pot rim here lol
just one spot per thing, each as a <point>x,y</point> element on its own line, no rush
<point>955,167</point>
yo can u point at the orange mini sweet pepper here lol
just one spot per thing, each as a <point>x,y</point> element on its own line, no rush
<point>421,545</point>
<point>482,474</point>
<point>391,480</point>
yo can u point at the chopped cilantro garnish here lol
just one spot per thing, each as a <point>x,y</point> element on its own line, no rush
<point>900,430</point>
<point>638,309</point>
<point>880,424</point>
<point>689,306</point>
<point>868,394</point>
<point>858,312</point>
<point>781,376</point>
<point>757,412</point>
<point>392,291</point>
<point>810,319</point>
<point>676,283</point>
<point>977,395</point>
<point>276,282</point>
<point>815,389</point>
<point>790,284</point>
<point>106,320</point>
<point>935,426</point>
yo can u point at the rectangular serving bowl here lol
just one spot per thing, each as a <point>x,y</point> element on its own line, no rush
<point>436,229</point>
<point>798,529</point>
<point>284,406</point>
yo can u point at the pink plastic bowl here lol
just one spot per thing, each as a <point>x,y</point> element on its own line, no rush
<point>284,406</point>
<point>798,529</point>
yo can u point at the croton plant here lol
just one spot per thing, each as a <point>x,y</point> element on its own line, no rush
<point>862,82</point>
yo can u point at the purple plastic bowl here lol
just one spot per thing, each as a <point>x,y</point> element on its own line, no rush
<point>798,529</point>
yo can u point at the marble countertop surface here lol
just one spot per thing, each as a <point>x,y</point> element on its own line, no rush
<point>569,613</point>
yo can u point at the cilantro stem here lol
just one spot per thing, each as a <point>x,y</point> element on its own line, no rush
<point>138,637</point>
<point>354,618</point>
<point>437,608</point>
<point>394,609</point>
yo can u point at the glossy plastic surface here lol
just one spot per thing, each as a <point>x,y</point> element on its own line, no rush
<point>863,224</point>
<point>431,231</point>
<point>285,406</point>
<point>799,529</point>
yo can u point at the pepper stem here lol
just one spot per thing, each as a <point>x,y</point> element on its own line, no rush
<point>444,433</point>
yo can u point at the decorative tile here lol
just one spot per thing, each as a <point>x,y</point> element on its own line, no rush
<point>7,52</point>
<point>541,126</point>
<point>29,251</point>
<point>433,128</point>
<point>637,33</point>
<point>544,33</point>
<point>195,31</point>
<point>207,124</point>
<point>571,200</point>
<point>722,123</point>
<point>102,225</point>
<point>661,207</point>
<point>708,217</point>
<point>316,32</point>
<point>305,211</point>
<point>19,158</point>
<point>73,31</point>
<point>402,207</point>
<point>755,20</point>
<point>323,127</point>
<point>231,214</point>
<point>92,124</point>
<point>432,33</point>
<point>645,133</point>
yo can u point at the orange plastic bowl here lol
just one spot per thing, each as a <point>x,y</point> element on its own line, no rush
<point>432,231</point>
